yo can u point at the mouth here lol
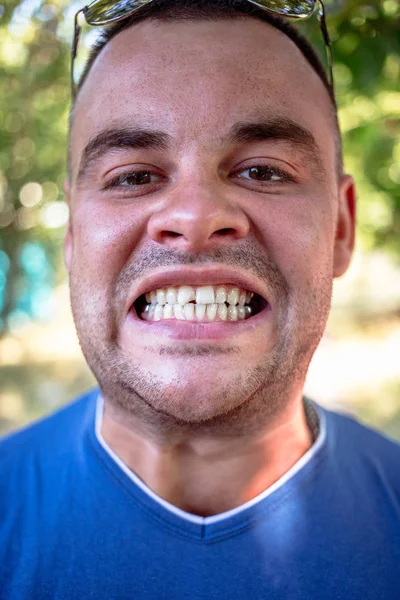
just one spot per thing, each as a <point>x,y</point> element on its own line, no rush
<point>211,303</point>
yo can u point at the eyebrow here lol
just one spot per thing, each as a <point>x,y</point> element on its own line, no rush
<point>278,129</point>
<point>244,132</point>
<point>119,139</point>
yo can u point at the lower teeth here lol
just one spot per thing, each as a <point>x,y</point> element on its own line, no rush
<point>196,312</point>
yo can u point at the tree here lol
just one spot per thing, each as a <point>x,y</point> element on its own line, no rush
<point>34,98</point>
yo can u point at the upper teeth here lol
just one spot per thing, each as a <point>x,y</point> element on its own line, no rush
<point>206,294</point>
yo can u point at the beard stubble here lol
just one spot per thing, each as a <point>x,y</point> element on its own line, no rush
<point>250,400</point>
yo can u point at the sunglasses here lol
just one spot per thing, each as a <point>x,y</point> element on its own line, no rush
<point>105,12</point>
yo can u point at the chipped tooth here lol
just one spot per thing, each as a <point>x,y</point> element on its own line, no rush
<point>188,311</point>
<point>233,313</point>
<point>220,295</point>
<point>161,297</point>
<point>212,311</point>
<point>241,312</point>
<point>249,296</point>
<point>200,311</point>
<point>233,296</point>
<point>147,296</point>
<point>158,312</point>
<point>178,312</point>
<point>205,294</point>
<point>153,297</point>
<point>186,294</point>
<point>168,311</point>
<point>222,311</point>
<point>171,296</point>
<point>242,297</point>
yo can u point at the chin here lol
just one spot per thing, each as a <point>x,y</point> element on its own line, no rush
<point>190,390</point>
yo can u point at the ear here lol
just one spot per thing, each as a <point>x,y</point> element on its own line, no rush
<point>345,226</point>
<point>68,241</point>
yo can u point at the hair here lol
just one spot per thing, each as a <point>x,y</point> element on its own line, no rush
<point>212,10</point>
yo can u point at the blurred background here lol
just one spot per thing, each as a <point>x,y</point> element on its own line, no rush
<point>357,366</point>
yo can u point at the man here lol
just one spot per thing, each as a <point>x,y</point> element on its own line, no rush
<point>209,214</point>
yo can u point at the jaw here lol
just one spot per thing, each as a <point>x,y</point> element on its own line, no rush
<point>186,375</point>
<point>198,369</point>
<point>220,389</point>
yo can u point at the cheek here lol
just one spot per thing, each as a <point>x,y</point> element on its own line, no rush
<point>299,238</point>
<point>104,239</point>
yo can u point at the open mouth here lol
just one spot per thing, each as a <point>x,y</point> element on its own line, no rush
<point>206,303</point>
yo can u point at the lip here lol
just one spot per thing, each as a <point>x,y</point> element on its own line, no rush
<point>194,331</point>
<point>196,276</point>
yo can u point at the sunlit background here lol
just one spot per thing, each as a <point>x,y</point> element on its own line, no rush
<point>356,368</point>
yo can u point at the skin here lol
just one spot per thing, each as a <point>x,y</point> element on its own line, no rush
<point>207,424</point>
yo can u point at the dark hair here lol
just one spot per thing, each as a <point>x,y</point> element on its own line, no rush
<point>211,10</point>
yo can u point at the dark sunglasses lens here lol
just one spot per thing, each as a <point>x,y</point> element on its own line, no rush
<point>290,8</point>
<point>102,11</point>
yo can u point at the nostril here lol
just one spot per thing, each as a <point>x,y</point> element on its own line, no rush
<point>226,231</point>
<point>170,234</point>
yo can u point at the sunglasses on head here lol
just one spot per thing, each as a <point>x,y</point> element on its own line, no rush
<point>105,12</point>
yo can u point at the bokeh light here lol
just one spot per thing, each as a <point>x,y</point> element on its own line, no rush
<point>31,194</point>
<point>54,215</point>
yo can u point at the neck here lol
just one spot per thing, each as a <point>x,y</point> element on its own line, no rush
<point>206,476</point>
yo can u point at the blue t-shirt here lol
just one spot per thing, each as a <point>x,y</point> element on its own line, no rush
<point>76,523</point>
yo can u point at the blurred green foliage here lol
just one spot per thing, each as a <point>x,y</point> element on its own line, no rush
<point>34,97</point>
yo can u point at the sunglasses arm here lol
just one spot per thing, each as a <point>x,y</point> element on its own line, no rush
<point>327,40</point>
<point>77,31</point>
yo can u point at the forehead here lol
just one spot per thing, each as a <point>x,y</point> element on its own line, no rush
<point>194,79</point>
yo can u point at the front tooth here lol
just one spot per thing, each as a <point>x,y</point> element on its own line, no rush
<point>158,312</point>
<point>200,311</point>
<point>220,295</point>
<point>161,297</point>
<point>168,310</point>
<point>233,296</point>
<point>178,312</point>
<point>188,311</point>
<point>171,296</point>
<point>233,313</point>
<point>241,312</point>
<point>186,294</point>
<point>211,311</point>
<point>153,297</point>
<point>205,295</point>
<point>242,297</point>
<point>222,311</point>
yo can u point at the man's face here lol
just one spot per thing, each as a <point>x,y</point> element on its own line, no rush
<point>211,162</point>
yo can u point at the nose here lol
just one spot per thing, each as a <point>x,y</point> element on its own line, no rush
<point>197,217</point>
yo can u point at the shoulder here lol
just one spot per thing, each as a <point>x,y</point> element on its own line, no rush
<point>51,434</point>
<point>358,434</point>
<point>358,447</point>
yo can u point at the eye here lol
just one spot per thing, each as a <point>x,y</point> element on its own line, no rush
<point>264,174</point>
<point>134,179</point>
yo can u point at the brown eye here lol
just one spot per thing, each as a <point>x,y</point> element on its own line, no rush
<point>134,179</point>
<point>262,173</point>
<point>138,178</point>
